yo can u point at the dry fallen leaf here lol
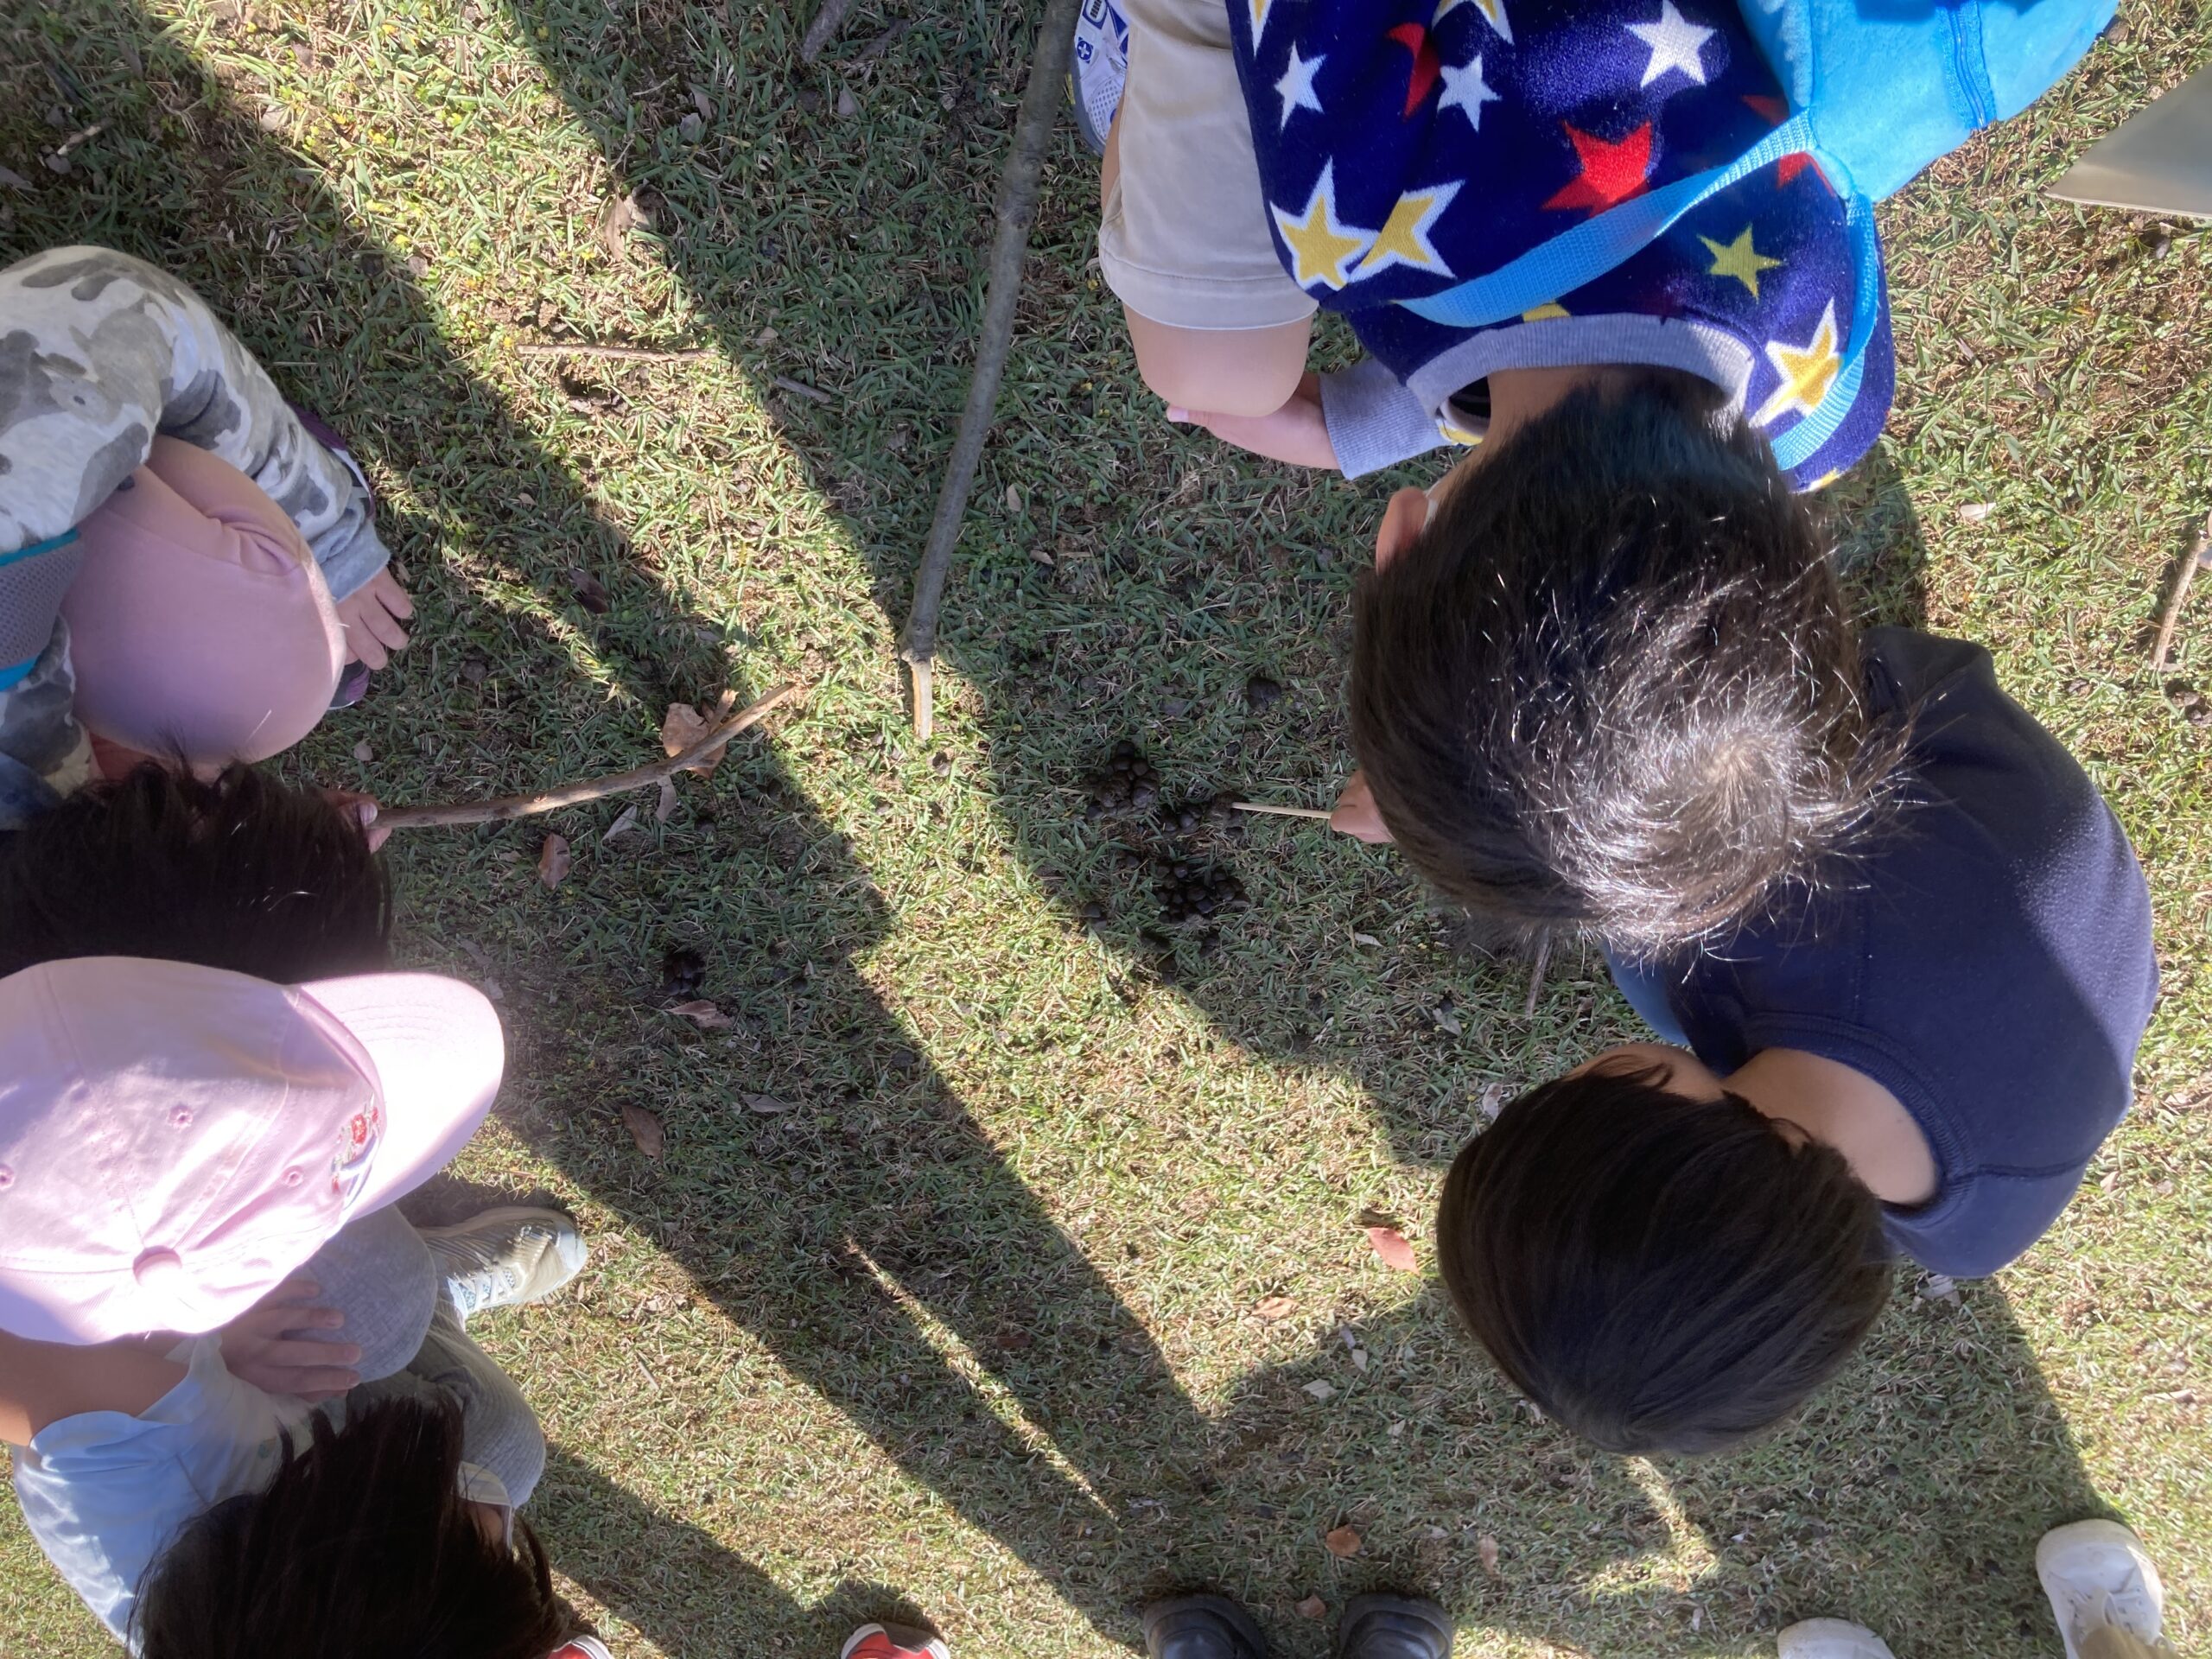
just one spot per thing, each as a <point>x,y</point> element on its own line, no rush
<point>590,592</point>
<point>1390,1244</point>
<point>710,1017</point>
<point>1321,1391</point>
<point>683,725</point>
<point>553,859</point>
<point>644,1129</point>
<point>618,219</point>
<point>1344,1541</point>
<point>624,822</point>
<point>766,1105</point>
<point>363,752</point>
<point>664,808</point>
<point>1313,1608</point>
<point>1486,1546</point>
<point>1974,511</point>
<point>1275,1307</point>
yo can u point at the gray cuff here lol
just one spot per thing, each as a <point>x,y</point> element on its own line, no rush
<point>351,551</point>
<point>1373,421</point>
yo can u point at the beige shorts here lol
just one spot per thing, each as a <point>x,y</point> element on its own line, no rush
<point>1184,237</point>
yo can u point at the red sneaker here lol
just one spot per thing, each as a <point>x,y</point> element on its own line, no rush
<point>894,1641</point>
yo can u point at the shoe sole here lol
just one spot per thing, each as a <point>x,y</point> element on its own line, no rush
<point>1836,1635</point>
<point>1418,1607</point>
<point>2059,1541</point>
<point>519,1213</point>
<point>1228,1612</point>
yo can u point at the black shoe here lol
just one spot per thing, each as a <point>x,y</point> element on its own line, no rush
<point>1393,1627</point>
<point>1202,1627</point>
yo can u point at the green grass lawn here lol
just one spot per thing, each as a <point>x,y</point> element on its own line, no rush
<point>974,1328</point>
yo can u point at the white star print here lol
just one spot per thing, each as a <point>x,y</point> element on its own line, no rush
<point>1296,86</point>
<point>1465,91</point>
<point>1675,43</point>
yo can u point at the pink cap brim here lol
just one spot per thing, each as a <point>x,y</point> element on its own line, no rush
<point>439,1055</point>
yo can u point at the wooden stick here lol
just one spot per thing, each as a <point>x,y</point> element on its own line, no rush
<point>588,789</point>
<point>2170,618</point>
<point>1282,811</point>
<point>800,389</point>
<point>1536,974</point>
<point>612,354</point>
<point>825,24</point>
<point>1017,210</point>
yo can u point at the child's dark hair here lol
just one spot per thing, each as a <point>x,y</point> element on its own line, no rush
<point>1659,1273</point>
<point>245,872</point>
<point>1615,682</point>
<point>361,1546</point>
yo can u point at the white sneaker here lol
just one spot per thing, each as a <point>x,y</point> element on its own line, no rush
<point>1098,69</point>
<point>504,1257</point>
<point>1830,1638</point>
<point>2098,1573</point>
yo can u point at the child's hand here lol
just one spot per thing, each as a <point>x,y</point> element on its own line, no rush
<point>372,616</point>
<point>258,1349</point>
<point>1296,433</point>
<point>1357,814</point>
<point>363,807</point>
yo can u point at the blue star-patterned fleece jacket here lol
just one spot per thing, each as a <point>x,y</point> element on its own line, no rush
<point>1408,145</point>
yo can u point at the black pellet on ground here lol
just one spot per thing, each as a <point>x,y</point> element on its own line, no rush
<point>1188,889</point>
<point>1127,782</point>
<point>682,969</point>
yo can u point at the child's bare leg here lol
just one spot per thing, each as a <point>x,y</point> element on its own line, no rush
<point>1215,371</point>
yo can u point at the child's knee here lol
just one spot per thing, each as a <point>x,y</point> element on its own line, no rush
<point>1250,372</point>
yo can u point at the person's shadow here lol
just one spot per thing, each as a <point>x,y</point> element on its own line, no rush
<point>860,1216</point>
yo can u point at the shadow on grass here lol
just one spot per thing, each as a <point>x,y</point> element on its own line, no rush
<point>831,1233</point>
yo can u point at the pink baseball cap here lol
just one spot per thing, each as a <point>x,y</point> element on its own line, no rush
<point>175,1140</point>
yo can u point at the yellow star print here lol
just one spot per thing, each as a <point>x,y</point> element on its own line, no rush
<point>1492,11</point>
<point>1318,244</point>
<point>1739,259</point>
<point>1546,312</point>
<point>1806,372</point>
<point>1403,239</point>
<point>1259,9</point>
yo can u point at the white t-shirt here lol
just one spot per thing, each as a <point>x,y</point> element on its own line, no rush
<point>106,1493</point>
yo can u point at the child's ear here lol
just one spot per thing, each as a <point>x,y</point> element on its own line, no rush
<point>1403,520</point>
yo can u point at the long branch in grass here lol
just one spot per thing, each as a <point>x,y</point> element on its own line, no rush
<point>2169,617</point>
<point>586,789</point>
<point>1017,210</point>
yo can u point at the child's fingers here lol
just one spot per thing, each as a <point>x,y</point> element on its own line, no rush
<point>364,645</point>
<point>307,1318</point>
<point>383,624</point>
<point>394,596</point>
<point>292,1291</point>
<point>302,1354</point>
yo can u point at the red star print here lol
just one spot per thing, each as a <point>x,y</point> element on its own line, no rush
<point>1789,166</point>
<point>1613,170</point>
<point>1414,39</point>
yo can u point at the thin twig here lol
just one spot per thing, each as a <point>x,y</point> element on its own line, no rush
<point>1017,209</point>
<point>588,789</point>
<point>1536,974</point>
<point>881,44</point>
<point>800,389</point>
<point>1282,811</point>
<point>2170,618</point>
<point>612,353</point>
<point>826,23</point>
